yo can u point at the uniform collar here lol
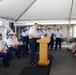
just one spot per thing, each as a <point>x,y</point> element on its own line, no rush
<point>10,38</point>
<point>34,27</point>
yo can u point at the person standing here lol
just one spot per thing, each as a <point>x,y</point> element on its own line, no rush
<point>23,36</point>
<point>32,41</point>
<point>43,30</point>
<point>52,37</point>
<point>58,35</point>
<point>39,33</point>
<point>50,33</point>
<point>27,36</point>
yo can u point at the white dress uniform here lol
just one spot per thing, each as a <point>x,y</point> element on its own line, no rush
<point>15,40</point>
<point>39,33</point>
<point>6,56</point>
<point>49,33</point>
<point>44,32</point>
<point>27,32</point>
<point>21,46</point>
<point>24,35</point>
<point>32,31</point>
<point>33,44</point>
<point>10,41</point>
<point>1,44</point>
<point>58,35</point>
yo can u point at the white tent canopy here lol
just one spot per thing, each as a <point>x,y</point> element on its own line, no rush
<point>27,10</point>
<point>48,9</point>
<point>12,9</point>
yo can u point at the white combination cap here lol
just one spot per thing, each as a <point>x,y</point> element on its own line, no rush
<point>58,27</point>
<point>10,33</point>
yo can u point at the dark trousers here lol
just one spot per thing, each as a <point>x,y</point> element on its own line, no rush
<point>6,57</point>
<point>27,40</point>
<point>17,51</point>
<point>24,48</point>
<point>52,41</point>
<point>33,47</point>
<point>23,39</point>
<point>58,41</point>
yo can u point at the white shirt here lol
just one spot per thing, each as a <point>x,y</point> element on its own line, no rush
<point>24,34</point>
<point>49,32</point>
<point>44,32</point>
<point>40,33</point>
<point>10,41</point>
<point>27,33</point>
<point>58,34</point>
<point>32,31</point>
<point>15,40</point>
<point>52,31</point>
<point>1,44</point>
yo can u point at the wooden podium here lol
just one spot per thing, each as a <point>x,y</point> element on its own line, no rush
<point>43,52</point>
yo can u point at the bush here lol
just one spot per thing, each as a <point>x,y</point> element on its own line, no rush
<point>63,39</point>
<point>73,40</point>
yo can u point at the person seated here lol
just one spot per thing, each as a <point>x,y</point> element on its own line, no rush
<point>12,46</point>
<point>21,46</point>
<point>73,49</point>
<point>4,53</point>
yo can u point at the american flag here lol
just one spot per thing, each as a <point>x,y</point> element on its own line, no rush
<point>8,30</point>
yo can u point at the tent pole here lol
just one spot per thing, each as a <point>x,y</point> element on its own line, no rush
<point>69,31</point>
<point>25,11</point>
<point>70,21</point>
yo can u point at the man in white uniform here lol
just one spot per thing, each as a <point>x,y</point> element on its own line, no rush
<point>5,54</point>
<point>50,33</point>
<point>39,33</point>
<point>12,46</point>
<point>23,36</point>
<point>43,30</point>
<point>52,37</point>
<point>21,46</point>
<point>27,36</point>
<point>32,40</point>
<point>58,35</point>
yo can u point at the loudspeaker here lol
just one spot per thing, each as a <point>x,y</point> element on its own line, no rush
<point>11,25</point>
